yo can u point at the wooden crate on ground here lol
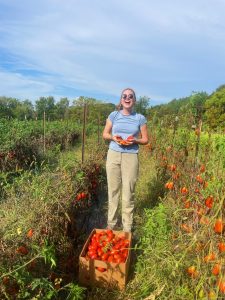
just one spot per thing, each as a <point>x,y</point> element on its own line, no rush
<point>115,275</point>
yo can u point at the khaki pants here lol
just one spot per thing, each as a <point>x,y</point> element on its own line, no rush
<point>122,174</point>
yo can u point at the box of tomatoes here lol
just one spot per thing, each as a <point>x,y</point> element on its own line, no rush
<point>105,258</point>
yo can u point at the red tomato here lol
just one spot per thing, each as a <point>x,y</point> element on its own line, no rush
<point>114,240</point>
<point>100,252</point>
<point>221,247</point>
<point>109,231</point>
<point>216,269</point>
<point>78,197</point>
<point>221,284</point>
<point>125,253</point>
<point>102,233</point>
<point>94,256</point>
<point>218,226</point>
<point>117,246</point>
<point>30,233</point>
<point>117,255</point>
<point>113,251</point>
<point>91,252</point>
<point>104,256</point>
<point>126,243</point>
<point>110,258</point>
<point>83,195</point>
<point>101,269</point>
<point>209,202</point>
<point>118,258</point>
<point>22,250</point>
<point>184,190</point>
<point>130,138</point>
<point>108,238</point>
<point>210,257</point>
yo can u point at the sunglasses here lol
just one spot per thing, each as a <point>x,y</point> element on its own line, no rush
<point>124,96</point>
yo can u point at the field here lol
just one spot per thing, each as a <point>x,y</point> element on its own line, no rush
<point>50,204</point>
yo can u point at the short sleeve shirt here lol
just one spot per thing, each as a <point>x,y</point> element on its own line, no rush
<point>124,126</point>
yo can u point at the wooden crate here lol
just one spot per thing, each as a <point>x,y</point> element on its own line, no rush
<point>115,276</point>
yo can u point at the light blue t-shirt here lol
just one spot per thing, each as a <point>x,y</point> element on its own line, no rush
<point>126,125</point>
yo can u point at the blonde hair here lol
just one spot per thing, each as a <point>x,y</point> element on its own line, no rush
<point>119,106</point>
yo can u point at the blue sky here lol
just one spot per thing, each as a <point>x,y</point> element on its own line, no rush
<point>162,49</point>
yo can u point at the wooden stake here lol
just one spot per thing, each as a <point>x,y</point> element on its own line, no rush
<point>44,132</point>
<point>84,128</point>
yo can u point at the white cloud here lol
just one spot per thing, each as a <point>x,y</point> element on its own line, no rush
<point>15,85</point>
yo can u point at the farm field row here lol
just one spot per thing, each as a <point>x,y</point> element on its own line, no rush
<point>179,222</point>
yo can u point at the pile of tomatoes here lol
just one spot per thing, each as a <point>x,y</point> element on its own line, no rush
<point>108,247</point>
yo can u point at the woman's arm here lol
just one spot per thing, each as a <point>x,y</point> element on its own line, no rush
<point>144,136</point>
<point>107,132</point>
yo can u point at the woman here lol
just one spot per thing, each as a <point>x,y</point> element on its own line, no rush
<point>126,130</point>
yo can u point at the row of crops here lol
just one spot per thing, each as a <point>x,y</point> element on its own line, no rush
<point>23,142</point>
<point>44,215</point>
<point>183,238</point>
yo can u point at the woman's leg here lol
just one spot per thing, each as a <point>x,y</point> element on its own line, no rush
<point>113,170</point>
<point>129,169</point>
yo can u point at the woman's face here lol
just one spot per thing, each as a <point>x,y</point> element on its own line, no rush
<point>128,99</point>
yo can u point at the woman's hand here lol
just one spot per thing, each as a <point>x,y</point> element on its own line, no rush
<point>117,139</point>
<point>129,141</point>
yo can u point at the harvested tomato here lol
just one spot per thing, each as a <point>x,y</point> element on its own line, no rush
<point>104,256</point>
<point>101,269</point>
<point>100,252</point>
<point>110,258</point>
<point>130,138</point>
<point>106,246</point>
<point>119,138</point>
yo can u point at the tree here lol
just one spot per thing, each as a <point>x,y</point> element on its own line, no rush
<point>24,110</point>
<point>61,108</point>
<point>96,110</point>
<point>197,105</point>
<point>215,109</point>
<point>7,107</point>
<point>142,105</point>
<point>47,105</point>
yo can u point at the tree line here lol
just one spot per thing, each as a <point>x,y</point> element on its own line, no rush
<point>12,108</point>
<point>198,108</point>
<point>190,110</point>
